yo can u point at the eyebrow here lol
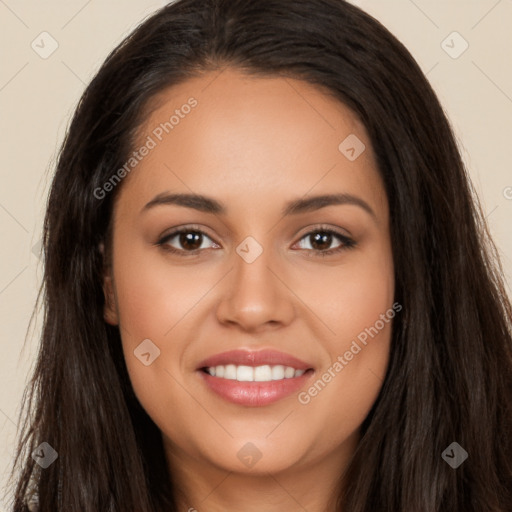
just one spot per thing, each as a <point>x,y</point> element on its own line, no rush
<point>295,207</point>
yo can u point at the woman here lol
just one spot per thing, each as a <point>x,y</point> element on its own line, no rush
<point>268,283</point>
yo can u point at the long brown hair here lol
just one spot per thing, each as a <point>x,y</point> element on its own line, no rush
<point>450,371</point>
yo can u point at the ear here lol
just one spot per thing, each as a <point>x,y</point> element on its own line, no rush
<point>110,308</point>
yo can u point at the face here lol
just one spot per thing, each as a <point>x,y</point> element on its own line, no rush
<point>263,270</point>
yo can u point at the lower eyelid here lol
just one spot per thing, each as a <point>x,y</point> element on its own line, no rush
<point>164,241</point>
<point>345,241</point>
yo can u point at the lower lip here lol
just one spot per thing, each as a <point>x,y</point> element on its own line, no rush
<point>254,394</point>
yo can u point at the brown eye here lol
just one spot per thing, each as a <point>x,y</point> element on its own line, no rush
<point>321,239</point>
<point>190,241</point>
<point>184,240</point>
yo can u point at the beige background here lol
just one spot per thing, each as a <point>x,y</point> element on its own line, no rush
<point>38,95</point>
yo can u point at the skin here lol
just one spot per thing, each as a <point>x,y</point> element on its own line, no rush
<point>253,143</point>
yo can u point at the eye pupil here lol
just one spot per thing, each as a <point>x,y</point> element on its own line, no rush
<point>189,240</point>
<point>321,239</point>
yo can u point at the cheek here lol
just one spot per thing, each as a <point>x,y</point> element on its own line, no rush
<point>352,296</point>
<point>153,299</point>
<point>356,303</point>
<point>153,295</point>
<point>153,306</point>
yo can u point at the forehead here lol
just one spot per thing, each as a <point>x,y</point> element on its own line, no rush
<point>235,135</point>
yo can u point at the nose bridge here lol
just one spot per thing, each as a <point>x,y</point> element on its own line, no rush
<point>255,296</point>
<point>253,279</point>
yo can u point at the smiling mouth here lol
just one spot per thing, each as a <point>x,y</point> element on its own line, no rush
<point>263,373</point>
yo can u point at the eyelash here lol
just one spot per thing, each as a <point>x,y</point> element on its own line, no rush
<point>347,243</point>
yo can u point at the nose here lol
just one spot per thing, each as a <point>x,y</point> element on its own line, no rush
<point>255,295</point>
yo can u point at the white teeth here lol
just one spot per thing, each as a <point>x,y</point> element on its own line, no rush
<point>263,373</point>
<point>278,372</point>
<point>289,372</point>
<point>230,372</point>
<point>244,373</point>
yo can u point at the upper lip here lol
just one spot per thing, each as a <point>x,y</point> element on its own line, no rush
<point>254,358</point>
